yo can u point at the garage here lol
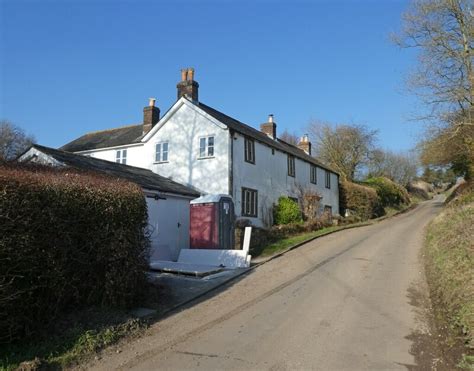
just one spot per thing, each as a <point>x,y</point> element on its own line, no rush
<point>168,202</point>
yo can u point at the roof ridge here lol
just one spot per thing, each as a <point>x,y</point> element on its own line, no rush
<point>112,129</point>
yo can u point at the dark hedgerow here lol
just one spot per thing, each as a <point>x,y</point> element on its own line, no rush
<point>389,192</point>
<point>361,200</point>
<point>67,240</point>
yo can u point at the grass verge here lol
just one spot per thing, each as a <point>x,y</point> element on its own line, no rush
<point>449,263</point>
<point>286,243</point>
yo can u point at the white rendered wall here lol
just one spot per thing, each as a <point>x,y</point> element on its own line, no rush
<point>182,131</point>
<point>134,154</point>
<point>269,175</point>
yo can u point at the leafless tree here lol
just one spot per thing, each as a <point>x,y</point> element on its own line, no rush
<point>344,147</point>
<point>399,167</point>
<point>13,140</point>
<point>290,138</point>
<point>443,31</point>
<point>449,146</point>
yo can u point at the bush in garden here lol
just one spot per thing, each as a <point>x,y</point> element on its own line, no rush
<point>361,200</point>
<point>389,192</point>
<point>286,211</point>
<point>67,240</point>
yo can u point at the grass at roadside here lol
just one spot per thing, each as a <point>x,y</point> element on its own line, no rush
<point>73,339</point>
<point>286,243</point>
<point>290,242</point>
<point>449,261</point>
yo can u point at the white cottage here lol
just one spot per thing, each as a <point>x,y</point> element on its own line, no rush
<point>196,145</point>
<point>168,202</point>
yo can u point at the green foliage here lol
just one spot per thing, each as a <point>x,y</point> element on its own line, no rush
<point>286,211</point>
<point>449,264</point>
<point>388,192</point>
<point>361,200</point>
<point>67,240</point>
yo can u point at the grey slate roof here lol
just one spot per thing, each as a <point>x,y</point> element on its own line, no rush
<point>143,177</point>
<point>106,138</point>
<point>253,133</point>
<point>134,134</point>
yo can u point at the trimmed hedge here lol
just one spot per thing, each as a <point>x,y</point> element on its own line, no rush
<point>389,192</point>
<point>286,211</point>
<point>67,240</point>
<point>361,200</point>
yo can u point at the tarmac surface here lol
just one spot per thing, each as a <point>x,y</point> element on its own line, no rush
<point>347,301</point>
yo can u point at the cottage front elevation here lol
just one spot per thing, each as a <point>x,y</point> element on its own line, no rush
<point>196,145</point>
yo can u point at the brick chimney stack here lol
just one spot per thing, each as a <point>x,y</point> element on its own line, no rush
<point>305,144</point>
<point>269,128</point>
<point>187,86</point>
<point>151,116</point>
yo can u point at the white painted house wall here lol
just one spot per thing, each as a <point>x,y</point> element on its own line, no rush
<point>183,130</point>
<point>269,176</point>
<point>184,124</point>
<point>134,154</point>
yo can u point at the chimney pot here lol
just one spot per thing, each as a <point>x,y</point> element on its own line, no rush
<point>305,144</point>
<point>187,86</point>
<point>191,74</point>
<point>270,117</point>
<point>151,102</point>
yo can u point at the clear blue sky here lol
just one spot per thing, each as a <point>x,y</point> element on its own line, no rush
<point>68,67</point>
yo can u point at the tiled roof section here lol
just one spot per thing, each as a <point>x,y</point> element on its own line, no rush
<point>106,138</point>
<point>251,132</point>
<point>143,177</point>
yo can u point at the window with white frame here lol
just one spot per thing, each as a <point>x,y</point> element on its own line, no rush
<point>121,156</point>
<point>206,147</point>
<point>249,202</point>
<point>291,165</point>
<point>249,150</point>
<point>161,152</point>
<point>328,179</point>
<point>313,178</point>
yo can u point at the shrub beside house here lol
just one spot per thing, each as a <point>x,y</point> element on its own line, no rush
<point>66,239</point>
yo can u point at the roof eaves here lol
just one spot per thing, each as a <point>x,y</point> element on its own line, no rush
<point>277,144</point>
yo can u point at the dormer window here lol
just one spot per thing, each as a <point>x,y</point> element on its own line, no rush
<point>121,156</point>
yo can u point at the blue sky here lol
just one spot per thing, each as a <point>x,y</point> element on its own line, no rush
<point>68,67</point>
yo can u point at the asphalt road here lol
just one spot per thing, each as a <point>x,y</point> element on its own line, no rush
<point>349,300</point>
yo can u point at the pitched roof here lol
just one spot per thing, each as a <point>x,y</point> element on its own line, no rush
<point>134,134</point>
<point>261,137</point>
<point>106,138</point>
<point>143,177</point>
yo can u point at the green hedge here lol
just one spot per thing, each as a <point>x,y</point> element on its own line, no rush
<point>361,200</point>
<point>67,240</point>
<point>286,211</point>
<point>389,192</point>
